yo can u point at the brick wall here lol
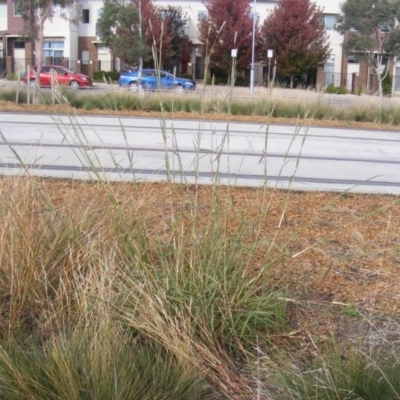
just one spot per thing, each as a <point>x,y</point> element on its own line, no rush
<point>29,48</point>
<point>9,64</point>
<point>320,78</point>
<point>85,44</point>
<point>363,78</point>
<point>344,70</point>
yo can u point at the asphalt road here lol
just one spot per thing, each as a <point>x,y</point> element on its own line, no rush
<point>244,154</point>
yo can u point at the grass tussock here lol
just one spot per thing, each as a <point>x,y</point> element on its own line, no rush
<point>100,298</point>
<point>333,376</point>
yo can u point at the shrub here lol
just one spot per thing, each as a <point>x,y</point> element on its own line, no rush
<point>12,76</point>
<point>99,76</point>
<point>387,84</point>
<point>187,76</point>
<point>8,95</point>
<point>217,81</point>
<point>240,81</point>
<point>336,90</point>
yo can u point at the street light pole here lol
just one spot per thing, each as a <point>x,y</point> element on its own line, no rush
<point>140,69</point>
<point>252,50</point>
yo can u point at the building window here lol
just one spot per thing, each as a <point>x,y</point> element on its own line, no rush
<point>203,14</point>
<point>54,50</point>
<point>15,11</point>
<point>351,59</point>
<point>385,28</point>
<point>85,57</point>
<point>257,17</point>
<point>187,27</point>
<point>85,16</point>
<point>103,51</point>
<point>330,22</point>
<point>19,44</point>
<point>99,12</point>
<point>3,17</point>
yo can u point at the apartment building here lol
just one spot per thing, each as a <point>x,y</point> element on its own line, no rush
<point>80,48</point>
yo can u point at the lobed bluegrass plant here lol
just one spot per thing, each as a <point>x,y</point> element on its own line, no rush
<point>95,360</point>
<point>332,375</point>
<point>68,317</point>
<point>94,287</point>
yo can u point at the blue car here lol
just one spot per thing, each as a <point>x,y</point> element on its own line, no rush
<point>153,79</point>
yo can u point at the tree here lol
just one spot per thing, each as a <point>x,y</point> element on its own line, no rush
<point>216,43</point>
<point>175,27</point>
<point>295,32</point>
<point>133,30</point>
<point>120,29</point>
<point>35,13</point>
<point>372,33</point>
<point>156,34</point>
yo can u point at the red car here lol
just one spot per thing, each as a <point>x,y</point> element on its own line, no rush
<point>63,76</point>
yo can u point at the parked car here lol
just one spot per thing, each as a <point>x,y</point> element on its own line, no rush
<point>63,76</point>
<point>153,79</point>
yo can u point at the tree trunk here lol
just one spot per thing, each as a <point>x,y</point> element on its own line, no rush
<point>39,52</point>
<point>291,81</point>
<point>380,76</point>
<point>42,19</point>
<point>380,88</point>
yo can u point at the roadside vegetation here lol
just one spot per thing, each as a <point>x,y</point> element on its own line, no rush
<point>214,106</point>
<point>113,290</point>
<point>175,291</point>
<point>128,290</point>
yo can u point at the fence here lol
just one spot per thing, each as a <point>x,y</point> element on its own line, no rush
<point>397,82</point>
<point>351,81</point>
<point>2,67</point>
<point>335,79</point>
<point>12,64</point>
<point>87,67</point>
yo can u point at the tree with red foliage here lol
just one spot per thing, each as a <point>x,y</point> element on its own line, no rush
<point>216,43</point>
<point>156,33</point>
<point>296,33</point>
<point>175,21</point>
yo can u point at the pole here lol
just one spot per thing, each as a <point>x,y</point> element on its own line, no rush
<point>234,55</point>
<point>252,50</point>
<point>269,70</point>
<point>28,84</point>
<point>18,86</point>
<point>140,69</point>
<point>53,78</point>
